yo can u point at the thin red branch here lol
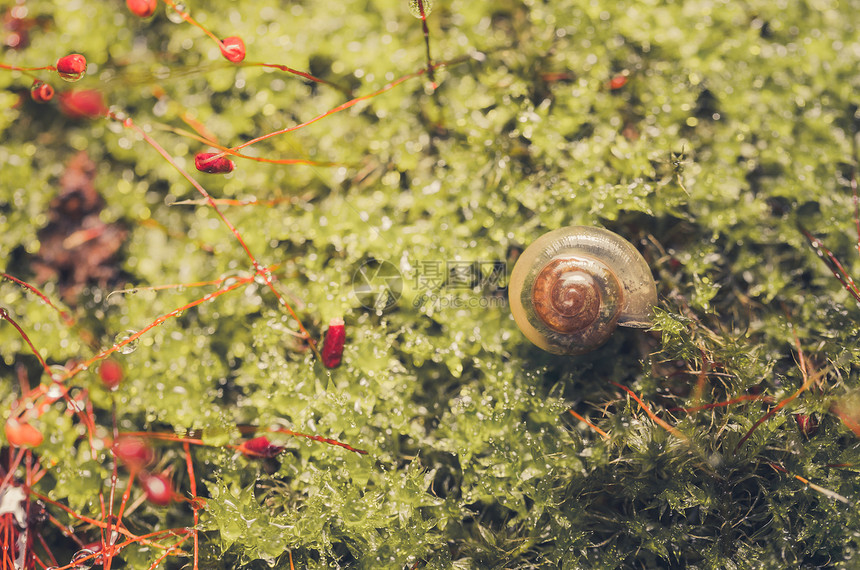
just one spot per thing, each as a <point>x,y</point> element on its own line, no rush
<point>342,107</point>
<point>659,421</point>
<point>602,433</point>
<point>833,264</point>
<point>745,398</point>
<point>67,318</point>
<point>808,379</point>
<point>132,338</point>
<point>194,505</point>
<point>260,269</point>
<point>4,314</point>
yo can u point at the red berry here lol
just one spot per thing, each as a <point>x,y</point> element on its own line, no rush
<point>72,67</point>
<point>233,49</point>
<point>618,82</point>
<point>132,451</point>
<point>111,373</point>
<point>260,447</point>
<point>22,434</point>
<point>158,489</point>
<point>83,104</point>
<point>142,8</point>
<point>335,336</point>
<point>218,166</point>
<point>41,92</point>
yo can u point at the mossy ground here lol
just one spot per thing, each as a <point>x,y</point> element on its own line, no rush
<point>736,123</point>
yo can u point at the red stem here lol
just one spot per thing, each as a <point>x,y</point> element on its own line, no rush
<point>342,107</point>
<point>299,73</point>
<point>194,505</point>
<point>261,270</point>
<point>4,314</point>
<point>833,264</point>
<point>65,316</point>
<point>107,352</point>
<point>430,72</point>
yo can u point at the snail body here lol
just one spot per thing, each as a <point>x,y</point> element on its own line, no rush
<point>572,287</point>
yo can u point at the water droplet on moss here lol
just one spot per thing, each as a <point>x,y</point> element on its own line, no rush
<point>84,559</point>
<point>129,347</point>
<point>173,13</point>
<point>71,77</point>
<point>58,372</point>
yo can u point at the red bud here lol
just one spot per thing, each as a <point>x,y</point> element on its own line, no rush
<point>260,447</point>
<point>111,373</point>
<point>618,82</point>
<point>72,67</point>
<point>133,451</point>
<point>233,49</point>
<point>808,425</point>
<point>335,337</point>
<point>22,434</point>
<point>142,8</point>
<point>218,166</point>
<point>41,92</point>
<point>83,104</point>
<point>158,489</point>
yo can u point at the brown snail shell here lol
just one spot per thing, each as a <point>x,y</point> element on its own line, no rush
<point>573,286</point>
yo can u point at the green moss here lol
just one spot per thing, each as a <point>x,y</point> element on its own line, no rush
<point>736,124</point>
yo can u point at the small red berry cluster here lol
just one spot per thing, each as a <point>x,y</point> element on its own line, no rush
<point>70,67</point>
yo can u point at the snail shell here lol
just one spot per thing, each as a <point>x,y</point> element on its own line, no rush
<point>572,286</point>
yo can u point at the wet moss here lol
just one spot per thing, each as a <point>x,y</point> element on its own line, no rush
<point>736,123</point>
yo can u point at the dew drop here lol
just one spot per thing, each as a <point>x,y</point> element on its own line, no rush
<point>113,522</point>
<point>71,77</point>
<point>416,5</point>
<point>173,14</point>
<point>55,392</point>
<point>75,406</point>
<point>58,372</point>
<point>126,348</point>
<point>84,558</point>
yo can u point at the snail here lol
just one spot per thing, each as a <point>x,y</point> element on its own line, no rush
<point>571,287</point>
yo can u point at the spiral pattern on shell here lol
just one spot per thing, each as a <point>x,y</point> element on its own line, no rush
<point>571,288</point>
